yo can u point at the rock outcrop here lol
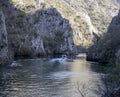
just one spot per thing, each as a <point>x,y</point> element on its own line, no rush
<point>6,56</point>
<point>107,48</point>
<point>56,32</point>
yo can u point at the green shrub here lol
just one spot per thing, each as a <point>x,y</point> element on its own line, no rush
<point>48,41</point>
<point>36,19</point>
<point>59,38</point>
<point>21,14</point>
<point>0,20</point>
<point>0,8</point>
<point>19,20</point>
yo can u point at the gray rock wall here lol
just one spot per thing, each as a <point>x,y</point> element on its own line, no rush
<point>107,48</point>
<point>56,31</point>
<point>5,57</point>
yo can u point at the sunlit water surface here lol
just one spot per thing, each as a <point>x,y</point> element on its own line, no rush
<point>40,78</point>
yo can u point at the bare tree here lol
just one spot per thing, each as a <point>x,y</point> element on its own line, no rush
<point>82,89</point>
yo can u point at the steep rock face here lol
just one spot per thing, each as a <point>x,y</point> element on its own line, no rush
<point>84,16</point>
<point>36,30</point>
<point>107,48</point>
<point>6,56</point>
<point>56,32</point>
<point>39,27</point>
<point>88,18</point>
<point>22,34</point>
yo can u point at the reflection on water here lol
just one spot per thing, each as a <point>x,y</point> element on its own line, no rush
<point>40,78</point>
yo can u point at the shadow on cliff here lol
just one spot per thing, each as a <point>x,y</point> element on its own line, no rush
<point>38,33</point>
<point>105,48</point>
<point>104,51</point>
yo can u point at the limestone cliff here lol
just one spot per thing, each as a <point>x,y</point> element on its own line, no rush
<point>87,18</point>
<point>36,30</point>
<point>6,55</point>
<point>56,32</point>
<point>107,48</point>
<point>40,27</point>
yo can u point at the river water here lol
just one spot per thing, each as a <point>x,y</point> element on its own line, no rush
<point>40,78</point>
